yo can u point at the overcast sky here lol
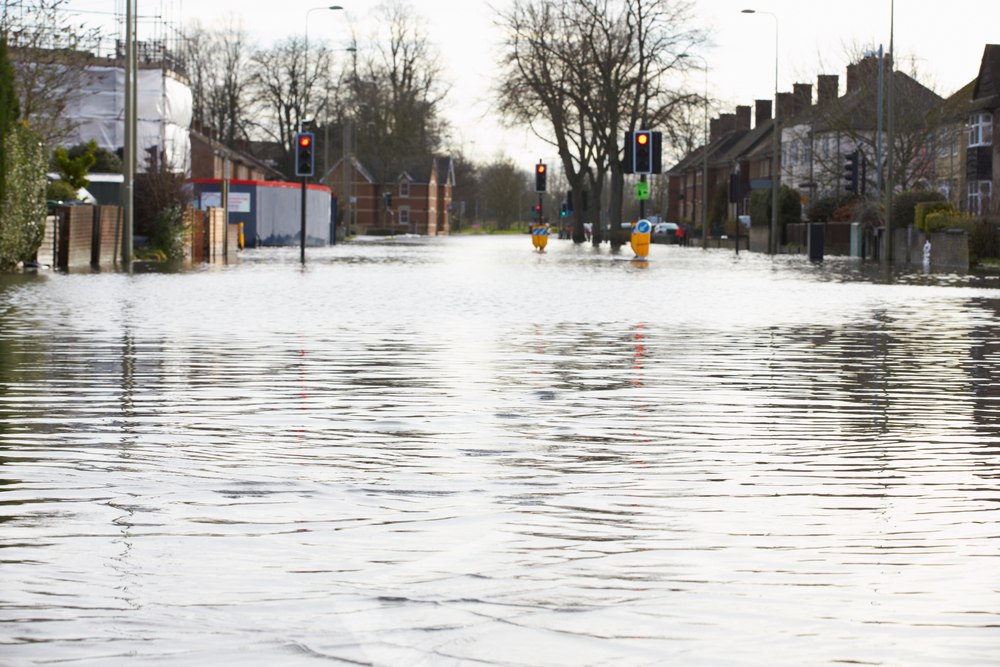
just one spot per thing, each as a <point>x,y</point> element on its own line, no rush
<point>813,38</point>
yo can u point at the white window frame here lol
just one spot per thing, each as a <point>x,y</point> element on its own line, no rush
<point>981,129</point>
<point>404,215</point>
<point>979,197</point>
<point>404,189</point>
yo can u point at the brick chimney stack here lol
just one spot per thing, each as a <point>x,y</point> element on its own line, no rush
<point>827,87</point>
<point>743,118</point>
<point>786,105</point>
<point>762,112</point>
<point>803,93</point>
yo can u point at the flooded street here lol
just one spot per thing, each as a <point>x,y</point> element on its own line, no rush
<point>459,452</point>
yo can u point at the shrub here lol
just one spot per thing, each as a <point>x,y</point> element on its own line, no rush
<point>789,207</point>
<point>168,236</point>
<point>823,209</point>
<point>905,203</point>
<point>22,215</point>
<point>60,191</point>
<point>923,209</point>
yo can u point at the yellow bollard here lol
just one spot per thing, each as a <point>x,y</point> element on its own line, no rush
<point>241,236</point>
<point>543,237</point>
<point>640,238</point>
<point>534,235</point>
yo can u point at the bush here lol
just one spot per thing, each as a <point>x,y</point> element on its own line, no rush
<point>60,191</point>
<point>823,209</point>
<point>22,215</point>
<point>905,203</point>
<point>789,207</point>
<point>168,237</point>
<point>156,192</point>
<point>924,209</point>
<point>984,239</point>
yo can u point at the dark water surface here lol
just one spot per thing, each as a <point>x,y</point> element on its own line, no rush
<point>457,452</point>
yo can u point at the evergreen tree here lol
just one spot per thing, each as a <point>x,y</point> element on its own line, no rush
<point>10,109</point>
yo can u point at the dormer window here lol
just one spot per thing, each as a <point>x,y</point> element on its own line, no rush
<point>980,129</point>
<point>404,189</point>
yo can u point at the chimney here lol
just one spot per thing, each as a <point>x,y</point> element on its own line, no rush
<point>803,93</point>
<point>727,122</point>
<point>786,105</point>
<point>713,129</point>
<point>763,112</point>
<point>827,87</point>
<point>743,118</point>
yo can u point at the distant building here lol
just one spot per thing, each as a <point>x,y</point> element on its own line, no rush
<point>421,196</point>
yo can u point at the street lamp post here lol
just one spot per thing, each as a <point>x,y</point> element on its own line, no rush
<point>308,12</point>
<point>776,143</point>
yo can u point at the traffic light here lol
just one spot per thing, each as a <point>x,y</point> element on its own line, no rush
<point>388,199</point>
<point>563,208</point>
<point>851,172</point>
<point>304,159</point>
<point>540,178</point>
<point>642,150</point>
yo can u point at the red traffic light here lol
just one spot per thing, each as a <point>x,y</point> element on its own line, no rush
<point>304,141</point>
<point>540,168</point>
<point>642,139</point>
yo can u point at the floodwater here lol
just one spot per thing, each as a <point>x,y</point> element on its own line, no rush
<point>460,452</point>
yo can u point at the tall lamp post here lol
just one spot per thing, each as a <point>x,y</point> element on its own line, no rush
<point>308,12</point>
<point>776,144</point>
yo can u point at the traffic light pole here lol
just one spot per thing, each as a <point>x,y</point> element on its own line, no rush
<point>642,202</point>
<point>303,232</point>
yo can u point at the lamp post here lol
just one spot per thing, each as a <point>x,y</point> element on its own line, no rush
<point>308,12</point>
<point>776,143</point>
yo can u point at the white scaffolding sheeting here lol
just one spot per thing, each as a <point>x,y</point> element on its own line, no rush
<point>164,111</point>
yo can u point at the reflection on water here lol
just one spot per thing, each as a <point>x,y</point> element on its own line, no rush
<point>460,452</point>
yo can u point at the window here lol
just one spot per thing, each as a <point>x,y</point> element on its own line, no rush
<point>404,189</point>
<point>806,152</point>
<point>404,215</point>
<point>942,142</point>
<point>980,129</point>
<point>979,197</point>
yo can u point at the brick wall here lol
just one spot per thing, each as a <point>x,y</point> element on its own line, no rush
<point>950,248</point>
<point>76,229</point>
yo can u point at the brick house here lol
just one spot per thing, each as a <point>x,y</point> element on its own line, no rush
<point>421,196</point>
<point>211,159</point>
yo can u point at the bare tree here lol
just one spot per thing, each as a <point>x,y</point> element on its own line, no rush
<point>219,67</point>
<point>289,87</point>
<point>49,56</point>
<point>580,73</point>
<point>399,84</point>
<point>850,122</point>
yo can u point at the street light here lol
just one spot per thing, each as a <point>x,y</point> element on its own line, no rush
<point>308,12</point>
<point>776,144</point>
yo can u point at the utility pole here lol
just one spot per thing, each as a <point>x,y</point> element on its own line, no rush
<point>887,242</point>
<point>128,149</point>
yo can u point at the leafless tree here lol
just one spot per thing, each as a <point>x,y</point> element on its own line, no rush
<point>289,88</point>
<point>219,67</point>
<point>49,55</point>
<point>850,121</point>
<point>580,73</point>
<point>398,85</point>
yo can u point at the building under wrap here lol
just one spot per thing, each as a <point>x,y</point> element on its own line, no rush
<point>271,212</point>
<point>164,114</point>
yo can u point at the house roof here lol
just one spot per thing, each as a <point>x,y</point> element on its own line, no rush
<point>417,170</point>
<point>987,86</point>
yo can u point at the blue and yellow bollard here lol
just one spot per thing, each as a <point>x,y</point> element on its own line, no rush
<point>640,238</point>
<point>539,236</point>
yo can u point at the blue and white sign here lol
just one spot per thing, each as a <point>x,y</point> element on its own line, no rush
<point>641,227</point>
